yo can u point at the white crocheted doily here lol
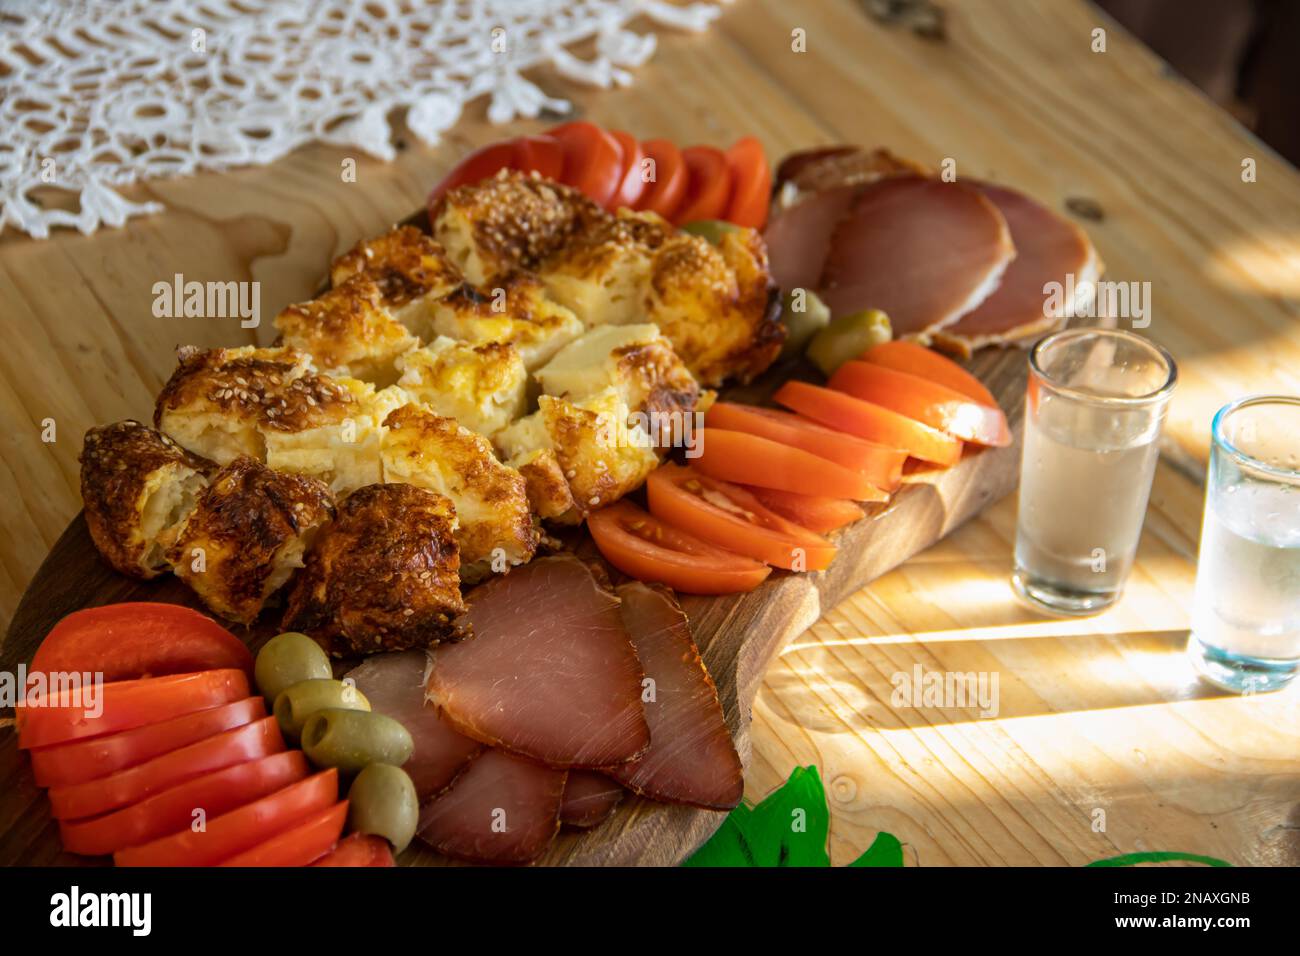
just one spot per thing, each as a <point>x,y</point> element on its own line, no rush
<point>96,94</point>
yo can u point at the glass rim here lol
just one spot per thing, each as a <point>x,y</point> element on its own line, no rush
<point>1076,394</point>
<point>1220,440</point>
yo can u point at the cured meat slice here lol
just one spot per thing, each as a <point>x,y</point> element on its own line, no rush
<point>924,251</point>
<point>691,757</point>
<point>502,809</point>
<point>549,673</point>
<point>799,237</point>
<point>589,799</point>
<point>394,685</point>
<point>1048,248</point>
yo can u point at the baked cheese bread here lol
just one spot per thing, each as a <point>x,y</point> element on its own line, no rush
<point>411,269</point>
<point>484,387</point>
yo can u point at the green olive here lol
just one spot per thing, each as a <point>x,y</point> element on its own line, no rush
<point>805,315</point>
<point>382,801</point>
<point>351,739</point>
<point>848,337</point>
<point>287,659</point>
<point>299,701</point>
<point>711,230</point>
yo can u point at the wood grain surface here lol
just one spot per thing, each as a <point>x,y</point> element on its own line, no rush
<point>1098,715</point>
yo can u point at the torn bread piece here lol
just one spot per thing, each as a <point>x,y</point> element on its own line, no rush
<point>138,487</point>
<point>484,387</point>
<point>515,311</point>
<point>411,269</point>
<point>548,491</point>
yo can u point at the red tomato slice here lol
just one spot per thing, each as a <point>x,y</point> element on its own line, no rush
<point>869,421</point>
<point>643,547</point>
<point>814,512</point>
<point>708,190</point>
<point>668,188</point>
<point>139,639</point>
<point>480,164</point>
<point>134,784</point>
<point>935,405</point>
<point>539,154</point>
<point>751,460</point>
<point>172,810</point>
<point>359,849</point>
<point>305,843</point>
<point>91,759</point>
<point>631,185</point>
<point>751,183</point>
<point>593,160</point>
<point>124,705</point>
<point>231,833</point>
<point>730,517</point>
<point>881,466</point>
<point>904,356</point>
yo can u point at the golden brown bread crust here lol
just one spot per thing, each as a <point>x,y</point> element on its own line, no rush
<point>383,576</point>
<point>404,263</point>
<point>251,526</point>
<point>548,491</point>
<point>121,466</point>
<point>347,330</point>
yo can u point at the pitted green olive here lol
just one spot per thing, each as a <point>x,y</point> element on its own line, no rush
<point>352,739</point>
<point>299,701</point>
<point>848,337</point>
<point>287,659</point>
<point>382,801</point>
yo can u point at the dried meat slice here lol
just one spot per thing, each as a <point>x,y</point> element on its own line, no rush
<point>394,685</point>
<point>502,809</point>
<point>691,758</point>
<point>589,799</point>
<point>549,674</point>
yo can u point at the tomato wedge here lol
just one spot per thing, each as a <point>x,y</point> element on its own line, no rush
<point>814,512</point>
<point>708,188</point>
<point>869,421</point>
<point>359,849</point>
<point>648,549</point>
<point>139,639</point>
<point>665,192</point>
<point>304,844</point>
<point>231,833</point>
<point>904,356</point>
<point>751,183</point>
<point>750,460</point>
<point>97,757</point>
<point>880,465</point>
<point>593,160</point>
<point>935,405</point>
<point>631,185</point>
<point>173,809</point>
<point>124,705</point>
<point>732,518</point>
<point>480,164</point>
<point>538,154</point>
<point>132,785</point>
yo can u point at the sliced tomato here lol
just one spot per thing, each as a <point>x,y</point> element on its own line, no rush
<point>480,164</point>
<point>97,757</point>
<point>538,154</point>
<point>172,810</point>
<point>310,840</point>
<point>359,849</point>
<point>751,460</point>
<point>231,833</point>
<point>124,705</point>
<point>139,639</point>
<point>905,356</point>
<point>751,183</point>
<point>935,405</point>
<point>872,422</point>
<point>593,160</point>
<point>880,465</point>
<point>730,517</point>
<point>708,188</point>
<point>814,512</point>
<point>133,784</point>
<point>648,549</point>
<point>631,185</point>
<point>665,192</point>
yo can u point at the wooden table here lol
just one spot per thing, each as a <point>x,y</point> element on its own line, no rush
<point>1104,742</point>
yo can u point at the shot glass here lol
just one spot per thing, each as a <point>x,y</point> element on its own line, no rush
<point>1097,401</point>
<point>1246,614</point>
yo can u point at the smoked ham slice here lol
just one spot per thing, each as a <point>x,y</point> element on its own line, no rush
<point>691,757</point>
<point>549,672</point>
<point>502,809</point>
<point>799,238</point>
<point>394,685</point>
<point>589,799</point>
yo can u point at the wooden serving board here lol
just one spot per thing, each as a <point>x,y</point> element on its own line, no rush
<point>737,635</point>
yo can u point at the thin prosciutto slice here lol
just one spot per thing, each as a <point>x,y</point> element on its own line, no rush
<point>691,757</point>
<point>502,809</point>
<point>394,685</point>
<point>589,799</point>
<point>549,674</point>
